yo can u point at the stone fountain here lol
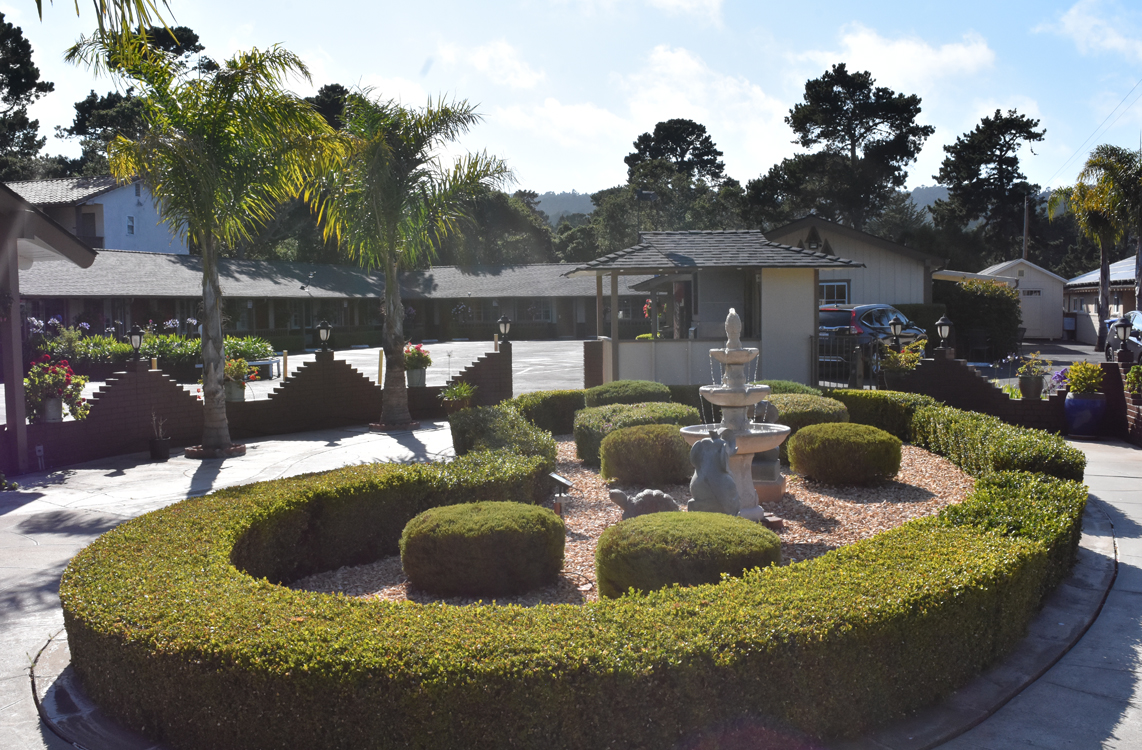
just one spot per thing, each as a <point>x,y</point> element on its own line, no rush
<point>746,437</point>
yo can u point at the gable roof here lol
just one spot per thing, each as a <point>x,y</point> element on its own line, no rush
<point>999,268</point>
<point>663,252</point>
<point>64,190</point>
<point>39,238</point>
<point>533,280</point>
<point>1121,273</point>
<point>813,221</point>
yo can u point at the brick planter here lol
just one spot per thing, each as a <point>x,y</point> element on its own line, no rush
<point>1134,418</point>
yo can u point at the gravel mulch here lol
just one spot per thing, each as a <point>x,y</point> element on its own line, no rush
<point>818,518</point>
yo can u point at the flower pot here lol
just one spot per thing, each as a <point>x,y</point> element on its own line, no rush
<point>1083,413</point>
<point>416,377</point>
<point>1031,386</point>
<point>160,449</point>
<point>451,406</point>
<point>897,380</point>
<point>234,390</point>
<point>53,409</point>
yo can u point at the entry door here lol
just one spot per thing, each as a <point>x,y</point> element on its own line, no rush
<point>1031,302</point>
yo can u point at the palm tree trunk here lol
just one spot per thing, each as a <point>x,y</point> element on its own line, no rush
<point>215,429</point>
<point>1138,271</point>
<point>1103,294</point>
<point>394,406</point>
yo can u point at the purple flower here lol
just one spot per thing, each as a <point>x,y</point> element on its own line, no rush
<point>1060,377</point>
<point>85,326</point>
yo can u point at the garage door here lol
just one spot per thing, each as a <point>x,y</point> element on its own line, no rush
<point>1031,301</point>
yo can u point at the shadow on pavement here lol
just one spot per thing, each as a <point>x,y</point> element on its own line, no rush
<point>67,523</point>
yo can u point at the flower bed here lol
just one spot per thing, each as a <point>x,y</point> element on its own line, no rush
<point>177,626</point>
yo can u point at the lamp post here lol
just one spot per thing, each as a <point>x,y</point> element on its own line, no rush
<point>135,336</point>
<point>505,326</point>
<point>896,326</point>
<point>1122,331</point>
<point>943,330</point>
<point>323,331</point>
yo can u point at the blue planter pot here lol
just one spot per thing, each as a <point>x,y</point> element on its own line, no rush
<point>1084,414</point>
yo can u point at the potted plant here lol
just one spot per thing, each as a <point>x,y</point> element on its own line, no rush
<point>237,373</point>
<point>1085,404</point>
<point>1031,374</point>
<point>160,444</point>
<point>897,366</point>
<point>457,396</point>
<point>49,387</point>
<point>416,361</point>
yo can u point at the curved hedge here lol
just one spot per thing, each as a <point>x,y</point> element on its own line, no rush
<point>177,629</point>
<point>595,423</point>
<point>626,392</point>
<point>553,411</point>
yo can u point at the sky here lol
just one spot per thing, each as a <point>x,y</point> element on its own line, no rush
<point>565,86</point>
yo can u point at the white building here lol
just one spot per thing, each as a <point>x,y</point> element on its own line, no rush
<point>102,212</point>
<point>1040,296</point>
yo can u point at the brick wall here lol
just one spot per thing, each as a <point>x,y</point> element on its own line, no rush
<point>492,376</point>
<point>1134,418</point>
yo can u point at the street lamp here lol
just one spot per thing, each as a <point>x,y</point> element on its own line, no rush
<point>896,326</point>
<point>1122,331</point>
<point>135,335</point>
<point>505,326</point>
<point>943,330</point>
<point>323,331</point>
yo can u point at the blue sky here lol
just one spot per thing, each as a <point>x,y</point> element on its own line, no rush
<point>565,86</point>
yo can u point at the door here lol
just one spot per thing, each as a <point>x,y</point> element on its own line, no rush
<point>1031,302</point>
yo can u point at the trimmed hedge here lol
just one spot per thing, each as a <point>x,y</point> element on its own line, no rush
<point>844,454</point>
<point>482,428</point>
<point>651,455</point>
<point>553,411</point>
<point>595,423</point>
<point>482,549</point>
<point>797,410</point>
<point>176,629</point>
<point>626,392</point>
<point>781,387</point>
<point>890,411</point>
<point>661,549</point>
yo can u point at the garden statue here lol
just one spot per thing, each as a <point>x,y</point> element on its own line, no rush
<point>712,485</point>
<point>647,501</point>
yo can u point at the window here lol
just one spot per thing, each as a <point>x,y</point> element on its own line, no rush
<point>537,310</point>
<point>138,189</point>
<point>1032,292</point>
<point>130,225</point>
<point>1022,273</point>
<point>833,293</point>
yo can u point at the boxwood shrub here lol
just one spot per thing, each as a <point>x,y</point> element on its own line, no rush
<point>890,411</point>
<point>797,410</point>
<point>651,552</point>
<point>482,428</point>
<point>781,387</point>
<point>650,455</point>
<point>178,628</point>
<point>553,411</point>
<point>843,454</point>
<point>595,423</point>
<point>626,392</point>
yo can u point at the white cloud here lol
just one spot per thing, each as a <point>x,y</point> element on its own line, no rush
<point>579,126</point>
<point>499,61</point>
<point>404,91</point>
<point>709,9</point>
<point>1088,26</point>
<point>908,64</point>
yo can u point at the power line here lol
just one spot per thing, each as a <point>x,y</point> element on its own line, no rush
<point>1095,132</point>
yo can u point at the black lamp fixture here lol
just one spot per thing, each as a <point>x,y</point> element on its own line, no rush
<point>896,326</point>
<point>1122,331</point>
<point>505,327</point>
<point>135,335</point>
<point>943,330</point>
<point>323,331</point>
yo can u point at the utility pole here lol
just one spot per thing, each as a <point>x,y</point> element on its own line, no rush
<point>1026,221</point>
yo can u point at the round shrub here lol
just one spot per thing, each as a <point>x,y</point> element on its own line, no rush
<point>594,424</point>
<point>490,428</point>
<point>777,387</point>
<point>797,410</point>
<point>482,549</point>
<point>553,411</point>
<point>845,454</point>
<point>657,550</point>
<point>650,454</point>
<point>626,392</point>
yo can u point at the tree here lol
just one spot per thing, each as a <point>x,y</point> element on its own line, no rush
<point>685,144</point>
<point>391,202</point>
<point>330,103</point>
<point>868,136</point>
<point>984,182</point>
<point>119,18</point>
<point>218,154</point>
<point>1088,205</point>
<point>20,86</point>
<point>98,121</point>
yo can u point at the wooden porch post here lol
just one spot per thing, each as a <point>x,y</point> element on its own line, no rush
<point>599,330</point>
<point>614,325</point>
<point>11,344</point>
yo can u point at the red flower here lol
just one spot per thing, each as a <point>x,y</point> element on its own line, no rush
<point>63,363</point>
<point>46,358</point>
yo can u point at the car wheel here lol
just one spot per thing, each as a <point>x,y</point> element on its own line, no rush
<point>1109,352</point>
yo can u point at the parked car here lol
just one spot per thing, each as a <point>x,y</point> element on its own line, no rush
<point>1133,342</point>
<point>866,326</point>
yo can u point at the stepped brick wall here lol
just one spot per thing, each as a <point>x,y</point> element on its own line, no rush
<point>492,376</point>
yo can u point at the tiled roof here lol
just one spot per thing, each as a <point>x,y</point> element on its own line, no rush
<point>65,190</point>
<point>1121,272</point>
<point>664,251</point>
<point>122,273</point>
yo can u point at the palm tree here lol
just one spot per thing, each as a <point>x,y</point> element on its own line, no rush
<point>392,201</point>
<point>1089,205</point>
<point>220,153</point>
<point>119,17</point>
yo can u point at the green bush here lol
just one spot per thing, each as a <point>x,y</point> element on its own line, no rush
<point>482,428</point>
<point>924,316</point>
<point>985,305</point>
<point>689,395</point>
<point>890,411</point>
<point>780,387</point>
<point>845,454</point>
<point>797,410</point>
<point>553,411</point>
<point>979,443</point>
<point>595,423</point>
<point>482,549</point>
<point>654,551</point>
<point>651,455</point>
<point>626,392</point>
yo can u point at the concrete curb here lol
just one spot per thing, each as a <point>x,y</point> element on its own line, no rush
<point>1068,613</point>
